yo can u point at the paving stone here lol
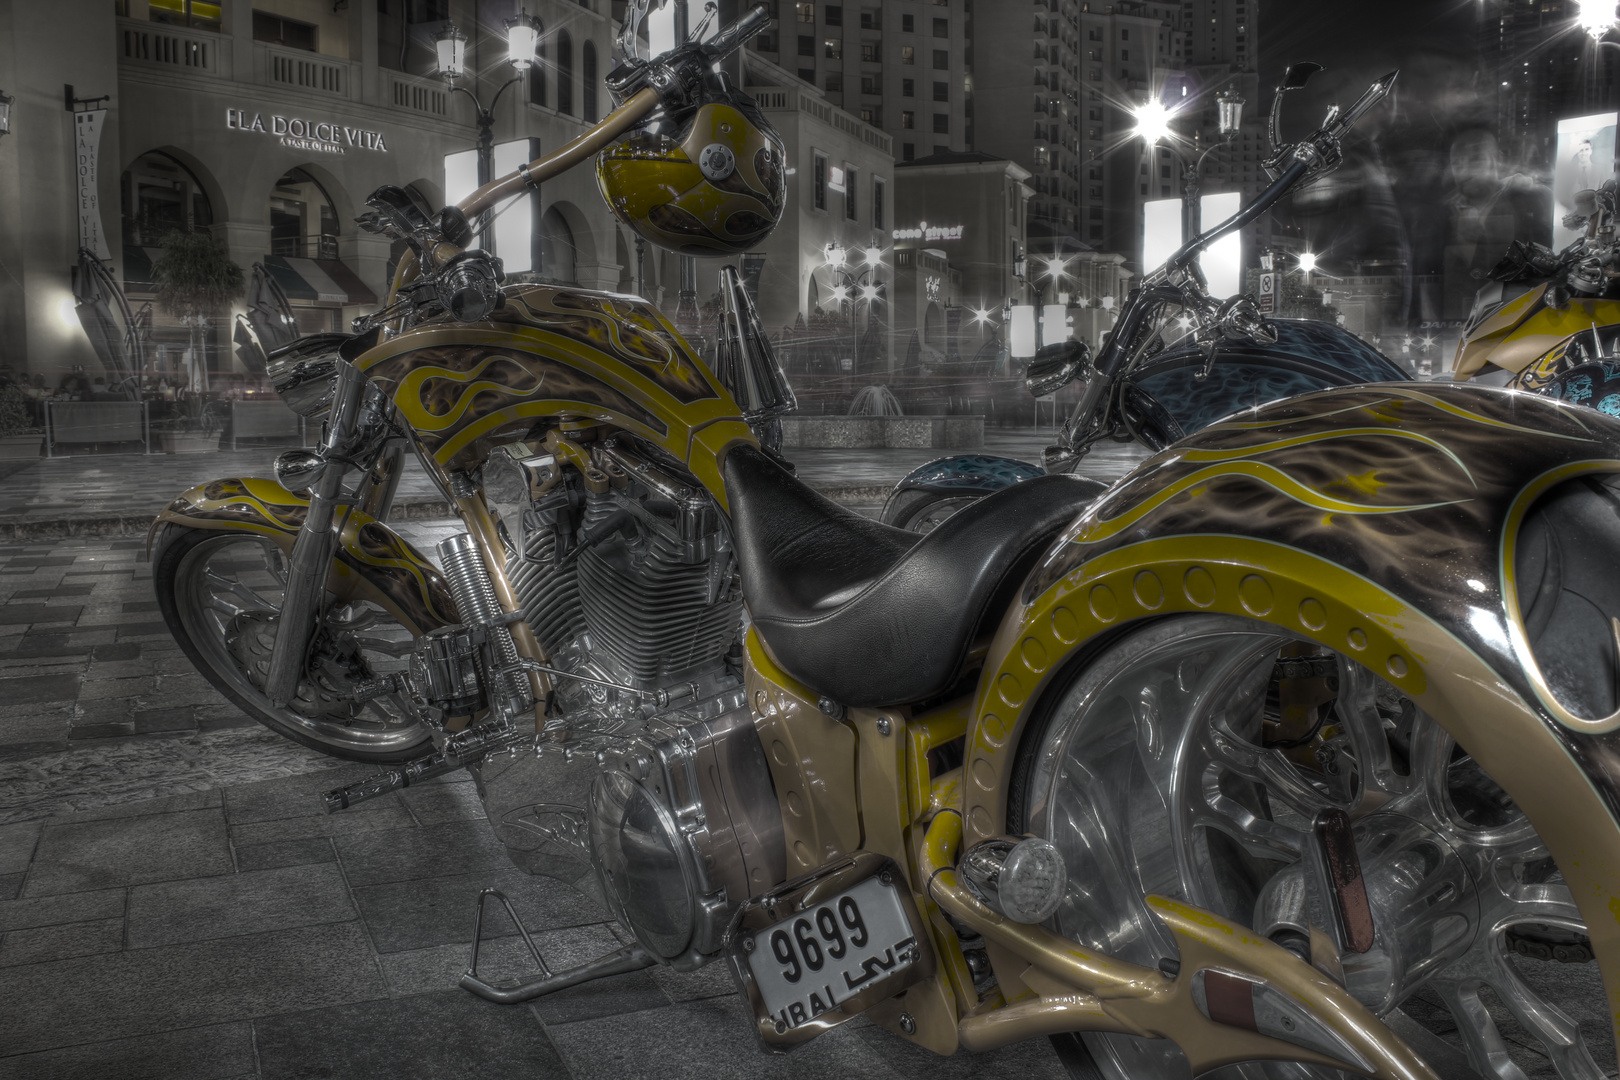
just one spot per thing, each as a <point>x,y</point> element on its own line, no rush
<point>169,804</point>
<point>142,630</point>
<point>711,1039</point>
<point>17,845</point>
<point>299,796</point>
<point>435,804</point>
<point>223,718</point>
<point>56,910</point>
<point>713,980</point>
<point>10,886</point>
<point>375,857</point>
<point>501,960</point>
<point>347,823</point>
<point>60,590</point>
<point>1032,1059</point>
<point>200,909</point>
<point>42,943</point>
<point>97,689</point>
<point>101,731</point>
<point>41,560</point>
<point>39,688</point>
<point>216,1052</point>
<point>445,1034</point>
<point>128,650</point>
<point>140,605</point>
<point>423,912</point>
<point>24,614</point>
<point>315,849</point>
<point>570,947</point>
<point>142,991</point>
<point>149,720</point>
<point>44,644</point>
<point>76,856</point>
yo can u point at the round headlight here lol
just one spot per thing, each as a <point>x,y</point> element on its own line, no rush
<point>639,855</point>
<point>305,373</point>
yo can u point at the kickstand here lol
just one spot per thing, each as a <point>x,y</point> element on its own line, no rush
<point>617,962</point>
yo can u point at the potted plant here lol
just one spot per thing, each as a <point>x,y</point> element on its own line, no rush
<point>195,279</point>
<point>19,438</point>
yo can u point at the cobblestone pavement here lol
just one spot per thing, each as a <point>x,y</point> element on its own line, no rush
<point>175,904</point>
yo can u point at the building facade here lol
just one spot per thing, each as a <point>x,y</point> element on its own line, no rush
<point>902,66</point>
<point>268,125</point>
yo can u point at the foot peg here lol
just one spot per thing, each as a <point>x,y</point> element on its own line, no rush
<point>459,751</point>
<point>629,958</point>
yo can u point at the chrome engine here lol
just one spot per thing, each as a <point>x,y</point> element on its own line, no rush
<point>666,816</point>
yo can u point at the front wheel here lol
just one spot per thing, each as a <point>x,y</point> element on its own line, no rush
<point>220,594</point>
<point>1189,759</point>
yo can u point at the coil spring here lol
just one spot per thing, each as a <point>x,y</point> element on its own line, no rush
<point>475,601</point>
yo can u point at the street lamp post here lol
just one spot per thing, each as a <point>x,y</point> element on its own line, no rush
<point>853,286</point>
<point>522,39</point>
<point>1153,125</point>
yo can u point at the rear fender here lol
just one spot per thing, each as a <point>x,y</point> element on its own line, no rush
<point>1378,521</point>
<point>373,562</point>
<point>967,474</point>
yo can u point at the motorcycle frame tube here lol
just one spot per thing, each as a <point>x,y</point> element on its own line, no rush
<point>1319,601</point>
<point>474,513</point>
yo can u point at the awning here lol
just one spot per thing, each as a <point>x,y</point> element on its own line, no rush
<point>319,280</point>
<point>323,280</point>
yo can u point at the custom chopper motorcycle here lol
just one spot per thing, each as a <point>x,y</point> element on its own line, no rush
<point>1292,754</point>
<point>1550,322</point>
<point>1176,361</point>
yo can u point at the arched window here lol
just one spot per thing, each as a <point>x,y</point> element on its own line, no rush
<point>158,196</point>
<point>557,250</point>
<point>303,221</point>
<point>565,73</point>
<point>537,70</point>
<point>587,72</point>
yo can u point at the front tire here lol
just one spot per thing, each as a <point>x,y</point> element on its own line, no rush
<point>220,593</point>
<point>1188,759</point>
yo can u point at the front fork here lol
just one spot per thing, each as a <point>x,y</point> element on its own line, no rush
<point>313,550</point>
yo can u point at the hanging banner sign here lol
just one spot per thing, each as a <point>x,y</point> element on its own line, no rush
<point>299,133</point>
<point>87,170</point>
<point>1268,293</point>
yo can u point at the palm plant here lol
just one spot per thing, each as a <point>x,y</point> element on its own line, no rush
<point>195,279</point>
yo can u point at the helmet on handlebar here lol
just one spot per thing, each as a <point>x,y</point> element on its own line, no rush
<point>716,185</point>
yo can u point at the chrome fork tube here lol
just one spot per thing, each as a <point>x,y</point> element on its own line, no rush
<point>312,552</point>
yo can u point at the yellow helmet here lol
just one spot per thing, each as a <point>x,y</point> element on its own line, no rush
<point>715,187</point>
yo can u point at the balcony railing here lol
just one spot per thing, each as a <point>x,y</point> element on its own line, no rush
<point>172,48</point>
<point>305,70</point>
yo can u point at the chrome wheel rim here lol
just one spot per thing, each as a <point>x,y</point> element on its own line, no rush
<point>231,584</point>
<point>1157,775</point>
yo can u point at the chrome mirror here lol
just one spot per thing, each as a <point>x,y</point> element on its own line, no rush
<point>1056,366</point>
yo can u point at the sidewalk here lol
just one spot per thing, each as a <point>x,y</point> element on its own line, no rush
<point>118,495</point>
<point>176,905</point>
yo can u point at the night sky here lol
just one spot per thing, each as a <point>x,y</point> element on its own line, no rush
<point>1368,37</point>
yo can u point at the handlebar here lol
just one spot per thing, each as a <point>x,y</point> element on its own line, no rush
<point>734,36</point>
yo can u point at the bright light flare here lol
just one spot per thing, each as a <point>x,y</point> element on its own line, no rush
<point>1596,17</point>
<point>1054,266</point>
<point>1153,120</point>
<point>840,293</point>
<point>1307,262</point>
<point>869,293</point>
<point>981,315</point>
<point>874,256</point>
<point>67,311</point>
<point>836,254</point>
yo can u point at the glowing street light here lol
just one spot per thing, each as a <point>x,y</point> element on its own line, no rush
<point>836,254</point>
<point>1108,303</point>
<point>869,293</point>
<point>874,256</point>
<point>840,293</point>
<point>981,315</point>
<point>522,39</point>
<point>1055,266</point>
<point>1152,120</point>
<point>1596,17</point>
<point>1307,262</point>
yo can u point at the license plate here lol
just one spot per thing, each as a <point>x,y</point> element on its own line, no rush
<point>811,963</point>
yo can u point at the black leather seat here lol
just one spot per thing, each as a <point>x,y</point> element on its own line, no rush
<point>870,615</point>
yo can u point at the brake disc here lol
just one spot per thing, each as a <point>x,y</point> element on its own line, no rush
<point>327,688</point>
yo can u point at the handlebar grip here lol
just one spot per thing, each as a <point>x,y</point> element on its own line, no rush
<point>734,36</point>
<point>1369,97</point>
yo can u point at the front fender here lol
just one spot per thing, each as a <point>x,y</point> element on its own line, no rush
<point>1378,521</point>
<point>373,562</point>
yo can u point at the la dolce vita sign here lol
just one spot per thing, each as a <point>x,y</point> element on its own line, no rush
<point>299,133</point>
<point>925,231</point>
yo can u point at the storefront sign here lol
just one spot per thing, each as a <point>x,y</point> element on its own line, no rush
<point>87,169</point>
<point>925,231</point>
<point>300,133</point>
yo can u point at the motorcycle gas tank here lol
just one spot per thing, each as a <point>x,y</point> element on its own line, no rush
<point>1525,329</point>
<point>549,352</point>
<point>1172,402</point>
